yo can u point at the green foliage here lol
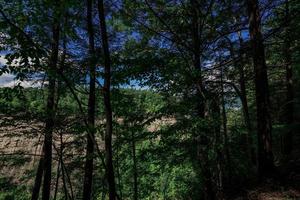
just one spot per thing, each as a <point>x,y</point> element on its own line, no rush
<point>10,191</point>
<point>158,89</point>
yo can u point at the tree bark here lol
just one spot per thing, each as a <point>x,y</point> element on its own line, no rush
<point>38,178</point>
<point>89,162</point>
<point>62,146</point>
<point>118,172</point>
<point>65,176</point>
<point>202,157</point>
<point>48,139</point>
<point>57,180</point>
<point>135,174</point>
<point>216,117</point>
<point>196,39</point>
<point>264,126</point>
<point>225,133</point>
<point>50,109</point>
<point>249,142</point>
<point>289,111</point>
<point>107,104</point>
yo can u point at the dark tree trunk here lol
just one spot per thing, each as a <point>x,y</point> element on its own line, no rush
<point>289,111</point>
<point>196,36</point>
<point>135,174</point>
<point>65,176</point>
<point>264,126</point>
<point>50,109</point>
<point>48,139</point>
<point>38,178</point>
<point>89,165</point>
<point>225,133</point>
<point>249,142</point>
<point>107,104</point>
<point>62,146</point>
<point>216,118</point>
<point>201,104</point>
<point>57,180</point>
<point>118,173</point>
<point>208,186</point>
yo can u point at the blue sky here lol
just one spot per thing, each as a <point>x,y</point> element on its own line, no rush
<point>5,78</point>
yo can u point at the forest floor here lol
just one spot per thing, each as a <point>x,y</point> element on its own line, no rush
<point>271,192</point>
<point>284,186</point>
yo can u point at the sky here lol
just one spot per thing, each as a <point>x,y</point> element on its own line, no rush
<point>8,80</point>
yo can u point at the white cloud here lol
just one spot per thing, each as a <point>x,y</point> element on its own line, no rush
<point>8,80</point>
<point>2,60</point>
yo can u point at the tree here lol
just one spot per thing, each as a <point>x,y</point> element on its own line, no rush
<point>264,125</point>
<point>88,177</point>
<point>107,104</point>
<point>50,109</point>
<point>288,138</point>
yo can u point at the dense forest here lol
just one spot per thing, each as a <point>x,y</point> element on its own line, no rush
<point>149,99</point>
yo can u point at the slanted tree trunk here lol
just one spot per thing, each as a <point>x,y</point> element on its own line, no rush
<point>107,104</point>
<point>57,179</point>
<point>89,165</point>
<point>62,146</point>
<point>50,109</point>
<point>264,126</point>
<point>65,176</point>
<point>289,110</point>
<point>38,178</point>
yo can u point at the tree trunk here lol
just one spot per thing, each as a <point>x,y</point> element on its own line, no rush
<point>264,126</point>
<point>196,35</point>
<point>118,172</point>
<point>225,133</point>
<point>249,143</point>
<point>57,179</point>
<point>65,176</point>
<point>88,175</point>
<point>62,146</point>
<point>48,139</point>
<point>216,118</point>
<point>107,104</point>
<point>135,175</point>
<point>38,178</point>
<point>289,111</point>
<point>201,104</point>
<point>50,109</point>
